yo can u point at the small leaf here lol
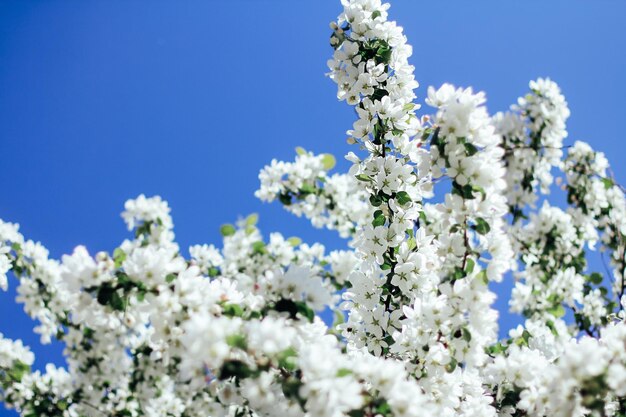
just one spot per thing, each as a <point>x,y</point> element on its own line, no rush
<point>307,189</point>
<point>552,327</point>
<point>341,372</point>
<point>234,368</point>
<point>105,292</point>
<point>482,227</point>
<point>557,311</point>
<point>467,335</point>
<point>376,200</point>
<point>470,149</point>
<point>252,219</point>
<point>237,340</point>
<point>363,177</point>
<point>469,266</point>
<point>117,302</point>
<point>403,198</point>
<point>608,183</point>
<point>300,150</point>
<point>328,161</point>
<point>170,278</point>
<point>451,366</point>
<point>287,359</point>
<point>596,278</point>
<point>17,371</point>
<point>258,247</point>
<point>305,310</point>
<point>379,221</point>
<point>483,276</point>
<point>232,310</point>
<point>227,230</point>
<point>119,256</point>
<point>294,241</point>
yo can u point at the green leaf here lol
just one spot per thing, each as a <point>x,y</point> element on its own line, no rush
<point>232,310</point>
<point>482,227</point>
<point>608,183</point>
<point>237,341</point>
<point>294,241</point>
<point>496,349</point>
<point>105,292</point>
<point>451,366</point>
<point>339,318</point>
<point>328,161</point>
<point>478,189</point>
<point>117,302</point>
<point>469,266</point>
<point>467,335</point>
<point>252,219</point>
<point>376,200</point>
<point>375,14</point>
<point>294,308</point>
<point>363,177</point>
<point>470,149</point>
<point>552,327</point>
<point>379,220</point>
<point>17,371</point>
<point>285,198</point>
<point>287,359</point>
<point>300,150</point>
<point>227,230</point>
<point>483,276</point>
<point>258,247</point>
<point>305,310</point>
<point>234,369</point>
<point>383,409</point>
<point>124,280</point>
<point>557,311</point>
<point>596,278</point>
<point>119,256</point>
<point>403,197</point>
<point>341,372</point>
<point>291,388</point>
<point>352,413</point>
<point>170,278</point>
<point>307,189</point>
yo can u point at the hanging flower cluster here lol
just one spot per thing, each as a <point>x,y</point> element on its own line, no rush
<point>436,208</point>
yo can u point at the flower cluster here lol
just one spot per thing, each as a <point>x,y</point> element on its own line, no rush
<point>236,331</point>
<point>304,188</point>
<point>602,206</point>
<point>371,69</point>
<point>552,243</point>
<point>533,133</point>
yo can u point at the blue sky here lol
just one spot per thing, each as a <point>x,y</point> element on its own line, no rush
<point>102,101</point>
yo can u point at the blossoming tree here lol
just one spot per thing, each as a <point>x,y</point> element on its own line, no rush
<point>235,331</point>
